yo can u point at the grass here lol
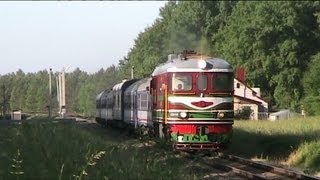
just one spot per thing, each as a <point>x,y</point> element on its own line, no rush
<point>307,156</point>
<point>294,142</point>
<point>42,149</point>
<point>47,150</point>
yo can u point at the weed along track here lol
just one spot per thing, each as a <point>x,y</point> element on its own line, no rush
<point>89,149</point>
<point>108,133</point>
<point>220,166</point>
<point>237,167</point>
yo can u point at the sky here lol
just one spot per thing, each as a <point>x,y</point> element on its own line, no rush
<point>38,35</point>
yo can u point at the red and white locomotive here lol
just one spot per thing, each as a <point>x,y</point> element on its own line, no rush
<point>188,100</point>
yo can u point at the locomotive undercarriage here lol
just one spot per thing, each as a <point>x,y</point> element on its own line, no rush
<point>200,142</point>
<point>201,139</point>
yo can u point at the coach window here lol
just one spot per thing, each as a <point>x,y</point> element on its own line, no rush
<point>223,82</point>
<point>143,105</point>
<point>127,103</point>
<point>202,82</point>
<point>103,102</point>
<point>181,82</point>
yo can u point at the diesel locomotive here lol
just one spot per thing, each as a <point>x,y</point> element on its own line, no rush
<point>187,100</point>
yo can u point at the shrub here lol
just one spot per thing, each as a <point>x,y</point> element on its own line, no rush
<point>307,156</point>
<point>243,113</point>
<point>311,105</point>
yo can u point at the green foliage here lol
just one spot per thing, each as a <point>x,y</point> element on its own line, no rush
<point>307,156</point>
<point>311,78</point>
<point>86,99</point>
<point>30,92</point>
<point>271,40</point>
<point>243,113</point>
<point>311,83</point>
<point>278,140</point>
<point>42,149</point>
<point>74,81</point>
<point>311,105</point>
<point>275,41</point>
<point>17,101</point>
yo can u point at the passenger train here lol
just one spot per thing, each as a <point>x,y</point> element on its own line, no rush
<point>187,100</point>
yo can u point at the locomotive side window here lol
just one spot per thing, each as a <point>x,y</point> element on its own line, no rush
<point>181,82</point>
<point>202,81</point>
<point>223,82</point>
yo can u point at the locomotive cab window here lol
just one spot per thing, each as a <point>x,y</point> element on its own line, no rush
<point>202,82</point>
<point>223,82</point>
<point>181,82</point>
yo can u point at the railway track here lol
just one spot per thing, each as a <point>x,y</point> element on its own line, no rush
<point>240,168</point>
<point>77,120</point>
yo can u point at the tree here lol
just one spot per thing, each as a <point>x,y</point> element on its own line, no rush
<point>17,100</point>
<point>311,83</point>
<point>272,40</point>
<point>74,81</point>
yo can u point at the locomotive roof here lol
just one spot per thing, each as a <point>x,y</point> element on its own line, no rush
<point>192,65</point>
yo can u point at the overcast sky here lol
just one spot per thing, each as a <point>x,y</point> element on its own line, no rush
<point>90,35</point>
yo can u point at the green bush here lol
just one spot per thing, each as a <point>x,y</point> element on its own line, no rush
<point>307,156</point>
<point>311,105</point>
<point>275,141</point>
<point>243,113</point>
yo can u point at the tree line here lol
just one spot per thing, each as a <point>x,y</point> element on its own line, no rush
<point>29,92</point>
<point>277,43</point>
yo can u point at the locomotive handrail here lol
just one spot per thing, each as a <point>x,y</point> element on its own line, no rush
<point>184,93</point>
<point>165,103</point>
<point>220,93</point>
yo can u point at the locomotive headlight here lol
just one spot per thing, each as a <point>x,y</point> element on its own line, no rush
<point>202,64</point>
<point>183,114</point>
<point>220,115</point>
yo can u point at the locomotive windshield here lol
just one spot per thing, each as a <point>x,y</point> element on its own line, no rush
<point>202,82</point>
<point>181,82</point>
<point>223,82</point>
